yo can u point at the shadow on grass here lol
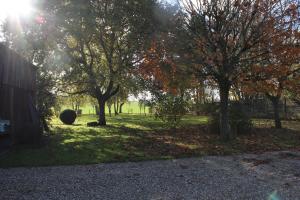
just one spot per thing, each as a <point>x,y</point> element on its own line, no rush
<point>81,145</point>
<point>133,138</point>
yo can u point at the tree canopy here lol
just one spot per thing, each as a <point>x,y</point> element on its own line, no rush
<point>109,49</point>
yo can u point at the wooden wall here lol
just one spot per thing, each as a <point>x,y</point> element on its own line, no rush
<point>15,71</point>
<point>17,93</point>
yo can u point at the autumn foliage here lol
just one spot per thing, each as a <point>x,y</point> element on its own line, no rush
<point>254,44</point>
<point>159,68</point>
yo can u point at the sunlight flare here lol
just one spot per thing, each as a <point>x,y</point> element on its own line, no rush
<point>15,8</point>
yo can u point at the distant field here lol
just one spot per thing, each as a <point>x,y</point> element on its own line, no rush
<point>128,108</point>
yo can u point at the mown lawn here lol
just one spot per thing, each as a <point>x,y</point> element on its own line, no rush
<point>131,107</point>
<point>139,137</point>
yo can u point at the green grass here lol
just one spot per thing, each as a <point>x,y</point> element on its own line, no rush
<point>128,108</point>
<point>140,137</point>
<point>79,144</point>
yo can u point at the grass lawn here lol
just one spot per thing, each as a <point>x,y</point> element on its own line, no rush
<point>131,107</point>
<point>139,137</point>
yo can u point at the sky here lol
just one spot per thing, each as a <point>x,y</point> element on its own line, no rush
<point>15,8</point>
<point>23,8</point>
<point>171,1</point>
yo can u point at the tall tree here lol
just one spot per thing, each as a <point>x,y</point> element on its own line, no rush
<point>101,39</point>
<point>160,69</point>
<point>224,36</point>
<point>279,70</point>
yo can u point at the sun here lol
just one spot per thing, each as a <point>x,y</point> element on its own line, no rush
<point>15,8</point>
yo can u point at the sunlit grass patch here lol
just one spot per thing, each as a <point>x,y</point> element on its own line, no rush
<point>139,137</point>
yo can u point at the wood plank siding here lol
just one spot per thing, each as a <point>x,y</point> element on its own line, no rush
<point>15,71</point>
<point>17,97</point>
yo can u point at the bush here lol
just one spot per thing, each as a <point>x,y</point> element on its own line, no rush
<point>240,122</point>
<point>68,117</point>
<point>206,108</point>
<point>170,109</point>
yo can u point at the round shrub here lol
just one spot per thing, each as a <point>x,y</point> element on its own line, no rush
<point>68,117</point>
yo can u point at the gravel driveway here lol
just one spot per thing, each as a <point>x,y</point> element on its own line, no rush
<point>268,176</point>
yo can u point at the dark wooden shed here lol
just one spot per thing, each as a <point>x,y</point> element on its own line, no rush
<point>17,97</point>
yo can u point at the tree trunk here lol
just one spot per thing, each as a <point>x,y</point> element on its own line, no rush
<point>275,103</point>
<point>285,110</point>
<point>102,120</point>
<point>120,109</point>
<point>45,124</point>
<point>118,106</point>
<point>224,115</point>
<point>115,109</point>
<point>97,110</point>
<point>109,110</point>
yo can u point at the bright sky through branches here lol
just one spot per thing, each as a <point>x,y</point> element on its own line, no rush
<point>15,8</point>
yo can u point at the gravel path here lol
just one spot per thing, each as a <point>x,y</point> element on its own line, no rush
<point>268,176</point>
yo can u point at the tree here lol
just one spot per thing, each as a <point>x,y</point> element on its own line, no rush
<point>76,101</point>
<point>224,36</point>
<point>141,104</point>
<point>278,70</point>
<point>122,97</point>
<point>109,104</point>
<point>101,38</point>
<point>116,106</point>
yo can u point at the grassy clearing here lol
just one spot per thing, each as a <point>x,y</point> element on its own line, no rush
<point>139,137</point>
<point>131,107</point>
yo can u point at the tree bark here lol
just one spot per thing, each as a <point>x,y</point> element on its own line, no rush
<point>121,106</point>
<point>275,103</point>
<point>102,120</point>
<point>109,110</point>
<point>224,115</point>
<point>115,108</point>
<point>285,110</point>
